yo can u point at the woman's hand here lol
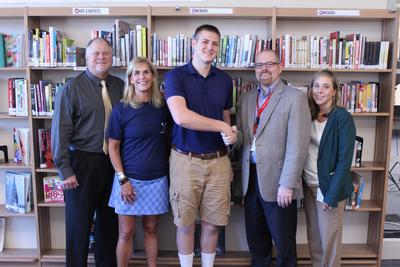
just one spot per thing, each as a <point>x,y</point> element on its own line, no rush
<point>128,193</point>
<point>327,207</point>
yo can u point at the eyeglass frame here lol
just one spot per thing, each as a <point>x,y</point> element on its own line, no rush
<point>268,64</point>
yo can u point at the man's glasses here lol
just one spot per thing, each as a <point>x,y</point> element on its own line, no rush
<point>268,64</point>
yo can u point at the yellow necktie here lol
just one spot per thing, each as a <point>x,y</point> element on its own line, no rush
<point>107,111</point>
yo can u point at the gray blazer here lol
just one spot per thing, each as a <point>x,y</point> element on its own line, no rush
<point>281,141</point>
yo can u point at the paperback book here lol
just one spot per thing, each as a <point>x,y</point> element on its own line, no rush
<point>52,189</point>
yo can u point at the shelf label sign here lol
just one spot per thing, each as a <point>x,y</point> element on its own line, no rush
<point>338,12</point>
<point>207,11</point>
<point>90,11</point>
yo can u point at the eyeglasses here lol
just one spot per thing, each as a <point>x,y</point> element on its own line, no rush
<point>268,65</point>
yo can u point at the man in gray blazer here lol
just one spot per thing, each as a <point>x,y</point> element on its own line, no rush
<point>274,128</point>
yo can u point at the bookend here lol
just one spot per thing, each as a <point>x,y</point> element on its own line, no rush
<point>4,149</point>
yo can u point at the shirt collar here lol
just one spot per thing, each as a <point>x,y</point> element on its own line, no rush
<point>270,89</point>
<point>192,70</point>
<point>94,78</point>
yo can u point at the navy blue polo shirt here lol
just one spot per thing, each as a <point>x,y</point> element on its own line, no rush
<point>143,136</point>
<point>208,96</point>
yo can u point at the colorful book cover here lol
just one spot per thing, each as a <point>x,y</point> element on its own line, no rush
<point>13,50</point>
<point>45,155</point>
<point>52,189</point>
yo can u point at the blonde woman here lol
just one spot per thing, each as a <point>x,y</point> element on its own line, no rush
<point>139,154</point>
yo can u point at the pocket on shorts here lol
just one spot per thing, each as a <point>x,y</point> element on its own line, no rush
<point>174,200</point>
<point>228,209</point>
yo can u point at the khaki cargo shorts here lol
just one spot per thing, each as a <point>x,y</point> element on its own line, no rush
<point>199,184</point>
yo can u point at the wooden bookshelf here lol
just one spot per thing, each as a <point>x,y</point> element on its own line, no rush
<point>4,115</point>
<point>7,256</point>
<point>270,23</point>
<point>352,254</point>
<point>5,213</point>
<point>14,166</point>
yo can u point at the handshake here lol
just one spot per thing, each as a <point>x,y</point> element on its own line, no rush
<point>230,137</point>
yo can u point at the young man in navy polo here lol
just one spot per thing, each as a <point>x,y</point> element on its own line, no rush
<point>199,97</point>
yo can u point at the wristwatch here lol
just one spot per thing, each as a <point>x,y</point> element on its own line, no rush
<point>122,178</point>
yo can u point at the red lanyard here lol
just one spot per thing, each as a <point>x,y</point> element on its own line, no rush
<point>259,112</point>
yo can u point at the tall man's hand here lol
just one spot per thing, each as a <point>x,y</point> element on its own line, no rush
<point>230,137</point>
<point>284,197</point>
<point>70,183</point>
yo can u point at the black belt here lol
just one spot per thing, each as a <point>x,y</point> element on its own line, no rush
<point>210,155</point>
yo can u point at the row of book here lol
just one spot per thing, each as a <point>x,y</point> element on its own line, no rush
<point>17,97</point>
<point>234,51</point>
<point>354,96</point>
<point>18,191</point>
<point>360,96</point>
<point>128,41</point>
<point>12,50</point>
<point>351,52</point>
<point>43,97</point>
<point>51,48</point>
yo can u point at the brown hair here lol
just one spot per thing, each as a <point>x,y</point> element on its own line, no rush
<point>206,27</point>
<point>314,109</point>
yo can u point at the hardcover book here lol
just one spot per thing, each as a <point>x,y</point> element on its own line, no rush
<point>45,155</point>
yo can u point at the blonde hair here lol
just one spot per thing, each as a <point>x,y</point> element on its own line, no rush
<point>128,98</point>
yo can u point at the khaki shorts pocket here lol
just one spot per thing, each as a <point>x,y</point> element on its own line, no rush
<point>174,200</point>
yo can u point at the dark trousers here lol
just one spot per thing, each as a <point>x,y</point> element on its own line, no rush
<point>94,173</point>
<point>266,221</point>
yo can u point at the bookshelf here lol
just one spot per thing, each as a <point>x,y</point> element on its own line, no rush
<point>363,228</point>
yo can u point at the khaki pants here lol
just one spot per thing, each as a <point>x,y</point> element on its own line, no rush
<point>324,230</point>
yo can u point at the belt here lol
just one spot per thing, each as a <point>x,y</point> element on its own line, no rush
<point>204,156</point>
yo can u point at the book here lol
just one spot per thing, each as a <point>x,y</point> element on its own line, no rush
<point>354,201</point>
<point>220,244</point>
<point>52,189</point>
<point>14,52</point>
<point>2,52</point>
<point>358,147</point>
<point>21,146</point>
<point>18,191</point>
<point>45,155</point>
<point>2,232</point>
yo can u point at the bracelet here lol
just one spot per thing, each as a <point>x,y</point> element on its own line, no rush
<point>121,176</point>
<point>123,181</point>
